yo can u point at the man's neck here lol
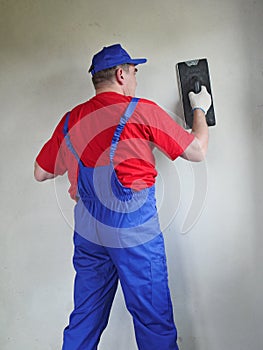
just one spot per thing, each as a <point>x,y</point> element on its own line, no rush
<point>111,88</point>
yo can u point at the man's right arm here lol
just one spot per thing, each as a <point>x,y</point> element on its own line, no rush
<point>200,104</point>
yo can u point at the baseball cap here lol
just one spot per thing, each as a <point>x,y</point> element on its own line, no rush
<point>112,56</point>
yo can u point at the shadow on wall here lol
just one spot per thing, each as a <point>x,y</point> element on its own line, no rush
<point>173,204</point>
<point>180,292</point>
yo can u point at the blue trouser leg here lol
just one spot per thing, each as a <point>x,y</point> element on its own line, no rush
<point>143,275</point>
<point>95,286</point>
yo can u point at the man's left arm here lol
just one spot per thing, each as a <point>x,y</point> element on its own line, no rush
<point>41,174</point>
<point>50,161</point>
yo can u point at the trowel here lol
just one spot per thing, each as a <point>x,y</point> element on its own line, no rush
<point>191,76</point>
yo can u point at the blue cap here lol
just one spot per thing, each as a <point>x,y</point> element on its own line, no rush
<point>112,56</point>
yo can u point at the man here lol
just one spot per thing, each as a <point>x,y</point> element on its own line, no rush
<point>105,145</point>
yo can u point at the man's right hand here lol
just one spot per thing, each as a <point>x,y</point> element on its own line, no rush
<point>202,100</point>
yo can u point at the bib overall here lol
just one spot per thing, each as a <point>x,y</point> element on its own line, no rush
<point>117,237</point>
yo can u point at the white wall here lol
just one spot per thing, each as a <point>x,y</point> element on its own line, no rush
<point>215,268</point>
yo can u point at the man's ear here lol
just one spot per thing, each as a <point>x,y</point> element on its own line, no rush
<point>120,76</point>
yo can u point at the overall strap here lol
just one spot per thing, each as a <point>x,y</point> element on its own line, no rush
<point>127,114</point>
<point>67,138</point>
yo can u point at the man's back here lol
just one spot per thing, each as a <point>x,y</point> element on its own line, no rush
<point>92,125</point>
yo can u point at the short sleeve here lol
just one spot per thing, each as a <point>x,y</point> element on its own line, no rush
<point>167,134</point>
<point>51,157</point>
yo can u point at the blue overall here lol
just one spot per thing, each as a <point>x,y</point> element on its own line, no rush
<point>117,237</point>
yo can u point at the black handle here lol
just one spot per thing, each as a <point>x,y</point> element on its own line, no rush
<point>197,85</point>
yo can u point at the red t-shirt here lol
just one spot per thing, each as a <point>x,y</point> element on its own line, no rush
<point>92,125</point>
